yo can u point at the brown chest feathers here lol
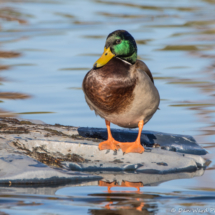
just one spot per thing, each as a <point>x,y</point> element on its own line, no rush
<point>110,88</point>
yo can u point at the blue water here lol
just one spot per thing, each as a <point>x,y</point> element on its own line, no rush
<point>60,41</point>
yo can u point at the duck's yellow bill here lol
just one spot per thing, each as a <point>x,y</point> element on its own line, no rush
<point>106,56</point>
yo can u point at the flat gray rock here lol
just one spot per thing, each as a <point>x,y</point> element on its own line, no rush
<point>76,149</point>
<point>151,161</point>
<point>18,169</point>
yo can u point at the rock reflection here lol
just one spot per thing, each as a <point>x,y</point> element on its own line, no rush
<point>115,203</point>
<point>132,202</point>
<point>119,202</point>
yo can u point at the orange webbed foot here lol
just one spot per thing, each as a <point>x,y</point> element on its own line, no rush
<point>133,147</point>
<point>109,144</point>
<point>112,144</point>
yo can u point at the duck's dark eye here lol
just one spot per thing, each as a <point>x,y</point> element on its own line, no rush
<point>118,41</point>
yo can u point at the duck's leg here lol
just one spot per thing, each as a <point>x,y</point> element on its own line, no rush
<point>110,143</point>
<point>135,146</point>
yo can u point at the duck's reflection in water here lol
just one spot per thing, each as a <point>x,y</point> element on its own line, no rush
<point>133,202</point>
<point>125,202</point>
<point>109,185</point>
<point>114,194</point>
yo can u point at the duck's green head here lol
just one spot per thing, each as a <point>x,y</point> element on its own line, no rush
<point>118,44</point>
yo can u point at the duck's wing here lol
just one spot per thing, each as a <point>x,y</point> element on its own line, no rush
<point>141,66</point>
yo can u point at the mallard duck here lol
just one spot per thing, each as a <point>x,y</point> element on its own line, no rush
<point>120,88</point>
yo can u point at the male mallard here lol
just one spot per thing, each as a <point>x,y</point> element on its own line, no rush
<point>121,89</point>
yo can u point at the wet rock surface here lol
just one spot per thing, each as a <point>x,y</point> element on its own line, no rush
<point>71,149</point>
